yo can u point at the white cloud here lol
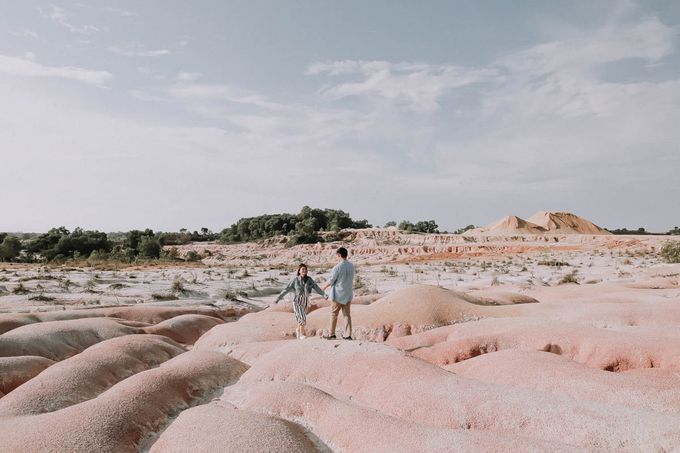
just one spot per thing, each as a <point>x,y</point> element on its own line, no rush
<point>132,51</point>
<point>63,18</point>
<point>121,12</point>
<point>205,94</point>
<point>648,39</point>
<point>29,68</point>
<point>420,86</point>
<point>26,33</point>
<point>189,76</point>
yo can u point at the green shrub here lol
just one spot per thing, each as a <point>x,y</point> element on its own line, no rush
<point>670,252</point>
<point>569,278</point>
<point>149,247</point>
<point>192,256</point>
<point>10,248</point>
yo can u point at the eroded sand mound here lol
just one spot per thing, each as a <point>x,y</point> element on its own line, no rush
<point>127,415</point>
<point>149,315</point>
<point>509,225</point>
<point>512,366</point>
<point>403,312</point>
<point>57,340</point>
<point>552,373</point>
<point>88,374</point>
<point>597,348</point>
<point>184,329</point>
<point>221,426</point>
<point>541,223</point>
<point>14,371</point>
<point>565,223</point>
<point>389,382</point>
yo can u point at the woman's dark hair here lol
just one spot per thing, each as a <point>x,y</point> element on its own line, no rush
<point>342,251</point>
<point>301,266</point>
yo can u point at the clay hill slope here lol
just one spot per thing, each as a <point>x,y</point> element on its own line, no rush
<point>544,222</point>
<point>565,223</point>
<point>509,225</point>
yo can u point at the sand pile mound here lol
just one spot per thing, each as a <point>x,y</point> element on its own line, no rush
<point>220,426</point>
<point>389,382</point>
<point>14,371</point>
<point>128,415</point>
<point>541,223</point>
<point>57,340</point>
<point>596,348</point>
<point>89,373</point>
<point>185,329</point>
<point>556,374</point>
<point>507,226</point>
<point>565,223</point>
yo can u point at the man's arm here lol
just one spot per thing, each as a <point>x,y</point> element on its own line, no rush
<point>332,279</point>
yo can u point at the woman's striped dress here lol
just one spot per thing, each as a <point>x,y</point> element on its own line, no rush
<point>302,288</point>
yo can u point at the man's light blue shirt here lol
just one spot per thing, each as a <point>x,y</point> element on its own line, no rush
<point>342,282</point>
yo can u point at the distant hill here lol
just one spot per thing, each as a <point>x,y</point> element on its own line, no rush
<point>543,222</point>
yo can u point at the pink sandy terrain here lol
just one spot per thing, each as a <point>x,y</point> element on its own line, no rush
<point>461,343</point>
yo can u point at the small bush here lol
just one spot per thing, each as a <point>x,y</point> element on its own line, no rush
<point>177,286</point>
<point>42,298</point>
<point>569,278</point>
<point>670,252</point>
<point>161,296</point>
<point>20,289</point>
<point>115,286</point>
<point>192,256</point>
<point>552,263</point>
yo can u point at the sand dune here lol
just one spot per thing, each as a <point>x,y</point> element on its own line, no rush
<point>491,353</point>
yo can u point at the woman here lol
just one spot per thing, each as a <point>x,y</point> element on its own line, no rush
<point>303,285</point>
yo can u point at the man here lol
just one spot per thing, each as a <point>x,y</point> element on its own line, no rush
<point>341,283</point>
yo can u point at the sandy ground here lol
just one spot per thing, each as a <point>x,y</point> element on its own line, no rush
<point>507,343</point>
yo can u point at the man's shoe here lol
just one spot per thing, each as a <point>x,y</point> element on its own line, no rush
<point>347,338</point>
<point>330,337</point>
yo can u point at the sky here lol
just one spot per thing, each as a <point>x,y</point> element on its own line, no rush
<point>167,114</point>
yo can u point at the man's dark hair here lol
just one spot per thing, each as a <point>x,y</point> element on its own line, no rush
<point>342,251</point>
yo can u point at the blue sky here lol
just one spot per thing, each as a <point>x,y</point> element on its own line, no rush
<point>170,114</point>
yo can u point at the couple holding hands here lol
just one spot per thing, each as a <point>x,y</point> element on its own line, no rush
<point>340,282</point>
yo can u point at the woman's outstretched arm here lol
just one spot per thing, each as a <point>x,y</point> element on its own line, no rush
<point>286,290</point>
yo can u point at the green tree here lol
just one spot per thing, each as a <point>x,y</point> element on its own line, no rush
<point>149,247</point>
<point>10,248</point>
<point>405,225</point>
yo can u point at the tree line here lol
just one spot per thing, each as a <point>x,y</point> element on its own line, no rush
<point>60,244</point>
<point>307,226</point>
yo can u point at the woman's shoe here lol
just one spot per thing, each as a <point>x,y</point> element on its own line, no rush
<point>302,337</point>
<point>297,334</point>
<point>330,337</point>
